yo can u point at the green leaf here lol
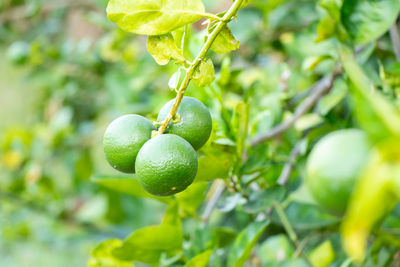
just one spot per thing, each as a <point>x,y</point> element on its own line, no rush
<point>204,74</point>
<point>332,7</point>
<point>304,216</point>
<point>229,203</point>
<point>214,164</point>
<point>262,200</point>
<point>147,244</point>
<point>375,195</point>
<point>240,122</point>
<point>325,29</point>
<point>333,98</point>
<point>367,20</point>
<point>171,216</point>
<point>191,198</point>
<point>163,48</point>
<point>376,115</point>
<point>275,250</point>
<point>244,243</point>
<point>223,236</point>
<point>323,255</point>
<point>175,79</point>
<point>225,42</point>
<point>308,121</point>
<point>154,17</point>
<point>101,255</point>
<point>200,260</point>
<point>127,185</point>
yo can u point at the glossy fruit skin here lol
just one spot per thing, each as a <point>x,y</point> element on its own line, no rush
<point>166,164</point>
<point>195,123</point>
<point>123,139</point>
<point>334,166</point>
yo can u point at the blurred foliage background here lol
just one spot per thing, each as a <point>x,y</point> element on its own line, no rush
<point>66,72</point>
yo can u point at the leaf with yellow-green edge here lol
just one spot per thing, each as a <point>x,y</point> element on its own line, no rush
<point>147,244</point>
<point>323,255</point>
<point>163,48</point>
<point>375,194</point>
<point>101,255</point>
<point>244,243</point>
<point>154,17</point>
<point>225,42</point>
<point>125,184</point>
<point>376,115</point>
<point>200,260</point>
<point>204,74</point>
<point>325,29</point>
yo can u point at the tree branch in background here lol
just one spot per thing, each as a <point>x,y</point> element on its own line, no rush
<point>318,90</point>
<point>294,154</point>
<point>216,191</point>
<point>394,36</point>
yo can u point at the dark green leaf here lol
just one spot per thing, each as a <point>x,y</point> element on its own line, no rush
<point>367,20</point>
<point>305,216</point>
<point>223,236</point>
<point>262,200</point>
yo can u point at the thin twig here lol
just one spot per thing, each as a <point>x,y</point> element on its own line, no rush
<point>394,36</point>
<point>294,154</point>
<point>318,90</point>
<point>229,15</point>
<point>299,249</point>
<point>216,194</point>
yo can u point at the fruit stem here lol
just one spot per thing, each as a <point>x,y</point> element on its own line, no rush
<point>229,15</point>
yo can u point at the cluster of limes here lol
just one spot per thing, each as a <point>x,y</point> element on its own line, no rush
<point>165,164</point>
<point>334,166</point>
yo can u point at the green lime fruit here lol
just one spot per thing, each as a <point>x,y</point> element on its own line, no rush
<point>166,164</point>
<point>194,123</point>
<point>123,139</point>
<point>334,166</point>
